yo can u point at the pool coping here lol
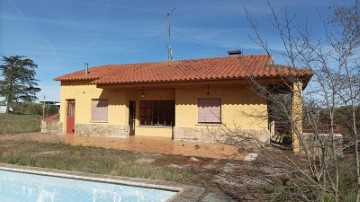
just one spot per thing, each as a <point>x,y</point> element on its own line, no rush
<point>185,192</point>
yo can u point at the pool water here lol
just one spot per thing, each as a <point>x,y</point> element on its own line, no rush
<point>24,187</point>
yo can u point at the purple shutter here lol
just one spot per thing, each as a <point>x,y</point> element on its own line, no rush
<point>100,110</point>
<point>209,110</point>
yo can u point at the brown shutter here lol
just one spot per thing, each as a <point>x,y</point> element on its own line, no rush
<point>209,110</point>
<point>99,110</point>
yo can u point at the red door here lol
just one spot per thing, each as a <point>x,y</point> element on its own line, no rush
<point>70,116</point>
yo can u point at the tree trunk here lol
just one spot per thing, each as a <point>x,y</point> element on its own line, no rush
<point>9,97</point>
<point>7,106</point>
<point>356,157</point>
<point>357,170</point>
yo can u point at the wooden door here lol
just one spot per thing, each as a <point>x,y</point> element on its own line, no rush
<point>70,116</point>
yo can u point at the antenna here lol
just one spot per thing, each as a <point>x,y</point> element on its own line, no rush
<point>169,15</point>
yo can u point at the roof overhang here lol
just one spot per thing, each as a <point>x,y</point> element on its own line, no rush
<point>173,84</point>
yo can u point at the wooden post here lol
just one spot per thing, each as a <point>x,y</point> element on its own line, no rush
<point>272,130</point>
<point>43,118</point>
<point>296,115</point>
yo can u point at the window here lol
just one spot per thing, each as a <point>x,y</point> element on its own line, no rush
<point>157,112</point>
<point>71,108</point>
<point>209,110</point>
<point>100,110</point>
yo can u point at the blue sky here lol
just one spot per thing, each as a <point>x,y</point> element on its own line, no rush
<point>61,35</point>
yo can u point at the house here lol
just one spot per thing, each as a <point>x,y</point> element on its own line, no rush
<point>51,103</point>
<point>183,100</point>
<point>3,106</point>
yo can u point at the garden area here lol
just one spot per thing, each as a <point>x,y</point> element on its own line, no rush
<point>25,117</point>
<point>263,179</point>
<point>14,123</point>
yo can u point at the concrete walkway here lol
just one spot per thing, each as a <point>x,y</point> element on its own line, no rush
<point>140,144</point>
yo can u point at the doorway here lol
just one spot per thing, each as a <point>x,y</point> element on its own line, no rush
<point>70,116</point>
<point>132,114</point>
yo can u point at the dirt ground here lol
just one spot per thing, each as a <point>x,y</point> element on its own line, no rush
<point>140,144</point>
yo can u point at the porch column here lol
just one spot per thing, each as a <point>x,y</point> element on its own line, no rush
<point>296,115</point>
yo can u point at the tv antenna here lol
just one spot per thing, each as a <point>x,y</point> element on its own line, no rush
<point>168,27</point>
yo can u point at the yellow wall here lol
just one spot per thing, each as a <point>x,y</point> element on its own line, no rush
<point>154,131</point>
<point>83,94</point>
<point>240,107</point>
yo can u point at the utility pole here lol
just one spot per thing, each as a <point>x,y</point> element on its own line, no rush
<point>169,24</point>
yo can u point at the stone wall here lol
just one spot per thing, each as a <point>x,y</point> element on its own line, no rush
<point>312,142</point>
<point>221,134</point>
<point>52,128</point>
<point>102,130</point>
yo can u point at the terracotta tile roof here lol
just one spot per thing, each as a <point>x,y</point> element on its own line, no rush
<point>221,68</point>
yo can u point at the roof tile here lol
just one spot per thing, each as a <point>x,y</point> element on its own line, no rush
<point>234,67</point>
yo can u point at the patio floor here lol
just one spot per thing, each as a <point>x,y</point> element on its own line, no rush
<point>140,144</point>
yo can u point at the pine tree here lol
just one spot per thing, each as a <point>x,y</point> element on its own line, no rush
<point>17,80</point>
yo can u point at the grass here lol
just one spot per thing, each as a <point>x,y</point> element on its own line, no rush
<point>159,166</point>
<point>13,124</point>
<point>99,161</point>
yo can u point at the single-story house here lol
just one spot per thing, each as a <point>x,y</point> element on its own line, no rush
<point>182,99</point>
<point>3,106</point>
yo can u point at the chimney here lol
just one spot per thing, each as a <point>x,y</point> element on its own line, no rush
<point>86,69</point>
<point>234,52</point>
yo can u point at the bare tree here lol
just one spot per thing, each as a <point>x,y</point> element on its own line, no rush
<point>319,170</point>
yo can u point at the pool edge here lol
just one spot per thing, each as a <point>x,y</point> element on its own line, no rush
<point>185,192</point>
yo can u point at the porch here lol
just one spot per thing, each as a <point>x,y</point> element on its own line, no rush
<point>160,145</point>
<point>179,112</point>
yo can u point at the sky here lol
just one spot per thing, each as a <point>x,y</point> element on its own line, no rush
<point>60,36</point>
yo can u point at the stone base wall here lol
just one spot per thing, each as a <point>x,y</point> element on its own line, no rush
<point>313,143</point>
<point>221,134</point>
<point>52,128</point>
<point>102,130</point>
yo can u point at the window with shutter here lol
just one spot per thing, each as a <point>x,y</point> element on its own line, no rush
<point>100,110</point>
<point>209,110</point>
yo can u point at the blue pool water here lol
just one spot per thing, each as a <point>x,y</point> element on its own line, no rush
<point>24,187</point>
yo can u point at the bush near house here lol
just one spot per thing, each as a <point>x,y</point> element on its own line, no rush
<point>13,124</point>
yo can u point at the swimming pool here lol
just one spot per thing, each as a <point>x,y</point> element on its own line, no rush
<point>30,187</point>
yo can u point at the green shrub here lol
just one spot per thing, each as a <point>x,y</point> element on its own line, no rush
<point>34,109</point>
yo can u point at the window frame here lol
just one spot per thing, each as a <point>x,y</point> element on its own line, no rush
<point>200,104</point>
<point>160,111</point>
<point>93,113</point>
